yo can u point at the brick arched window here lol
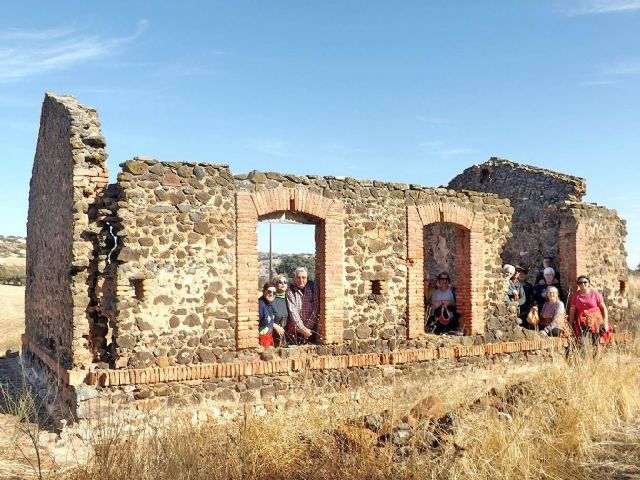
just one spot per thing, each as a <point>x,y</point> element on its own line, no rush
<point>469,264</point>
<point>328,215</point>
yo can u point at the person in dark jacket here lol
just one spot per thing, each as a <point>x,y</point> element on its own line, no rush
<point>529,300</point>
<point>267,316</point>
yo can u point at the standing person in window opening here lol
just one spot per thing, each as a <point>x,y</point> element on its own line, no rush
<point>280,308</point>
<point>588,315</point>
<point>540,290</point>
<point>547,262</point>
<point>303,300</point>
<point>552,316</point>
<point>515,292</point>
<point>267,316</point>
<point>443,304</point>
<point>527,288</point>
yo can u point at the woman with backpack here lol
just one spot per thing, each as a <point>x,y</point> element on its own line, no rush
<point>588,314</point>
<point>443,305</point>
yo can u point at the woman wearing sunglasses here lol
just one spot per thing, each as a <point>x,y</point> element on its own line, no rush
<point>280,308</point>
<point>267,316</point>
<point>588,314</point>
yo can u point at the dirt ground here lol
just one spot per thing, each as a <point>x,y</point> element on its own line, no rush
<point>11,317</point>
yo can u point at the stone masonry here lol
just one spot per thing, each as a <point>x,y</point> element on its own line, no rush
<point>146,287</point>
<point>549,219</point>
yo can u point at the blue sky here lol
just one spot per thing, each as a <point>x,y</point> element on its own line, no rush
<point>400,91</point>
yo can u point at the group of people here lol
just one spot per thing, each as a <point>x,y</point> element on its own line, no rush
<point>288,313</point>
<point>542,306</point>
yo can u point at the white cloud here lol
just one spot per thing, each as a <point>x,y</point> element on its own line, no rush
<point>27,53</point>
<point>595,7</point>
<point>274,147</point>
<point>624,68</point>
<point>438,148</point>
<point>596,83</point>
<point>432,120</point>
<point>614,73</point>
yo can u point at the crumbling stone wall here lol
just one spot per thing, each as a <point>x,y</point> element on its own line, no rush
<point>549,219</point>
<point>592,244</point>
<point>152,280</point>
<point>535,195</point>
<point>68,173</point>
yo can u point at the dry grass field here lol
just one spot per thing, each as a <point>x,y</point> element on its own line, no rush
<point>11,317</point>
<point>575,419</point>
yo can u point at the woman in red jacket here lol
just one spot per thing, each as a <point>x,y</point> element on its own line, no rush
<point>587,314</point>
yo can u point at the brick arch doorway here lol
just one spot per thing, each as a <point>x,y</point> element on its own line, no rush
<point>328,216</point>
<point>469,264</point>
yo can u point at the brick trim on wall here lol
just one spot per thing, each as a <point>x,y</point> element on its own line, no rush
<point>329,215</point>
<point>470,244</point>
<point>285,366</point>
<point>573,247</point>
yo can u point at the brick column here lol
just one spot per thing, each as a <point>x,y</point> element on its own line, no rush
<point>573,250</point>
<point>474,324</point>
<point>331,251</point>
<point>415,273</point>
<point>246,271</point>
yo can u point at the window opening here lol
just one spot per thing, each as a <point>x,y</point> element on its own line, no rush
<point>287,241</point>
<point>378,287</point>
<point>138,288</point>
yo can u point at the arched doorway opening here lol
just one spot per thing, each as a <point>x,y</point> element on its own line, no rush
<point>466,234</point>
<point>446,250</point>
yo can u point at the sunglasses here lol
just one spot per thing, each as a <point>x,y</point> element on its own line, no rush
<point>443,278</point>
<point>583,282</point>
<point>282,282</point>
<point>271,292</point>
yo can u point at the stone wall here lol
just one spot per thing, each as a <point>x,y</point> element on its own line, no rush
<point>68,174</point>
<point>176,289</point>
<point>283,383</point>
<point>176,295</point>
<point>549,219</point>
<point>593,245</point>
<point>535,195</point>
<point>150,283</point>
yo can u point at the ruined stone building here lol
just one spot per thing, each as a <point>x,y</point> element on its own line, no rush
<point>145,290</point>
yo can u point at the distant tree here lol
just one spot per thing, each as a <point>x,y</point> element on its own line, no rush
<point>289,263</point>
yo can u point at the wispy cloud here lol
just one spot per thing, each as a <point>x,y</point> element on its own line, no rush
<point>595,7</point>
<point>274,147</point>
<point>432,120</point>
<point>439,148</point>
<point>596,83</point>
<point>25,53</point>
<point>623,68</point>
<point>614,73</point>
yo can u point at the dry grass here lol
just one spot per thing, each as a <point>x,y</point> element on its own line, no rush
<point>570,419</point>
<point>11,317</point>
<point>633,287</point>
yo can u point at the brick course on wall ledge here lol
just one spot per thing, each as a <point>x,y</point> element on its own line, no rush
<point>147,376</point>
